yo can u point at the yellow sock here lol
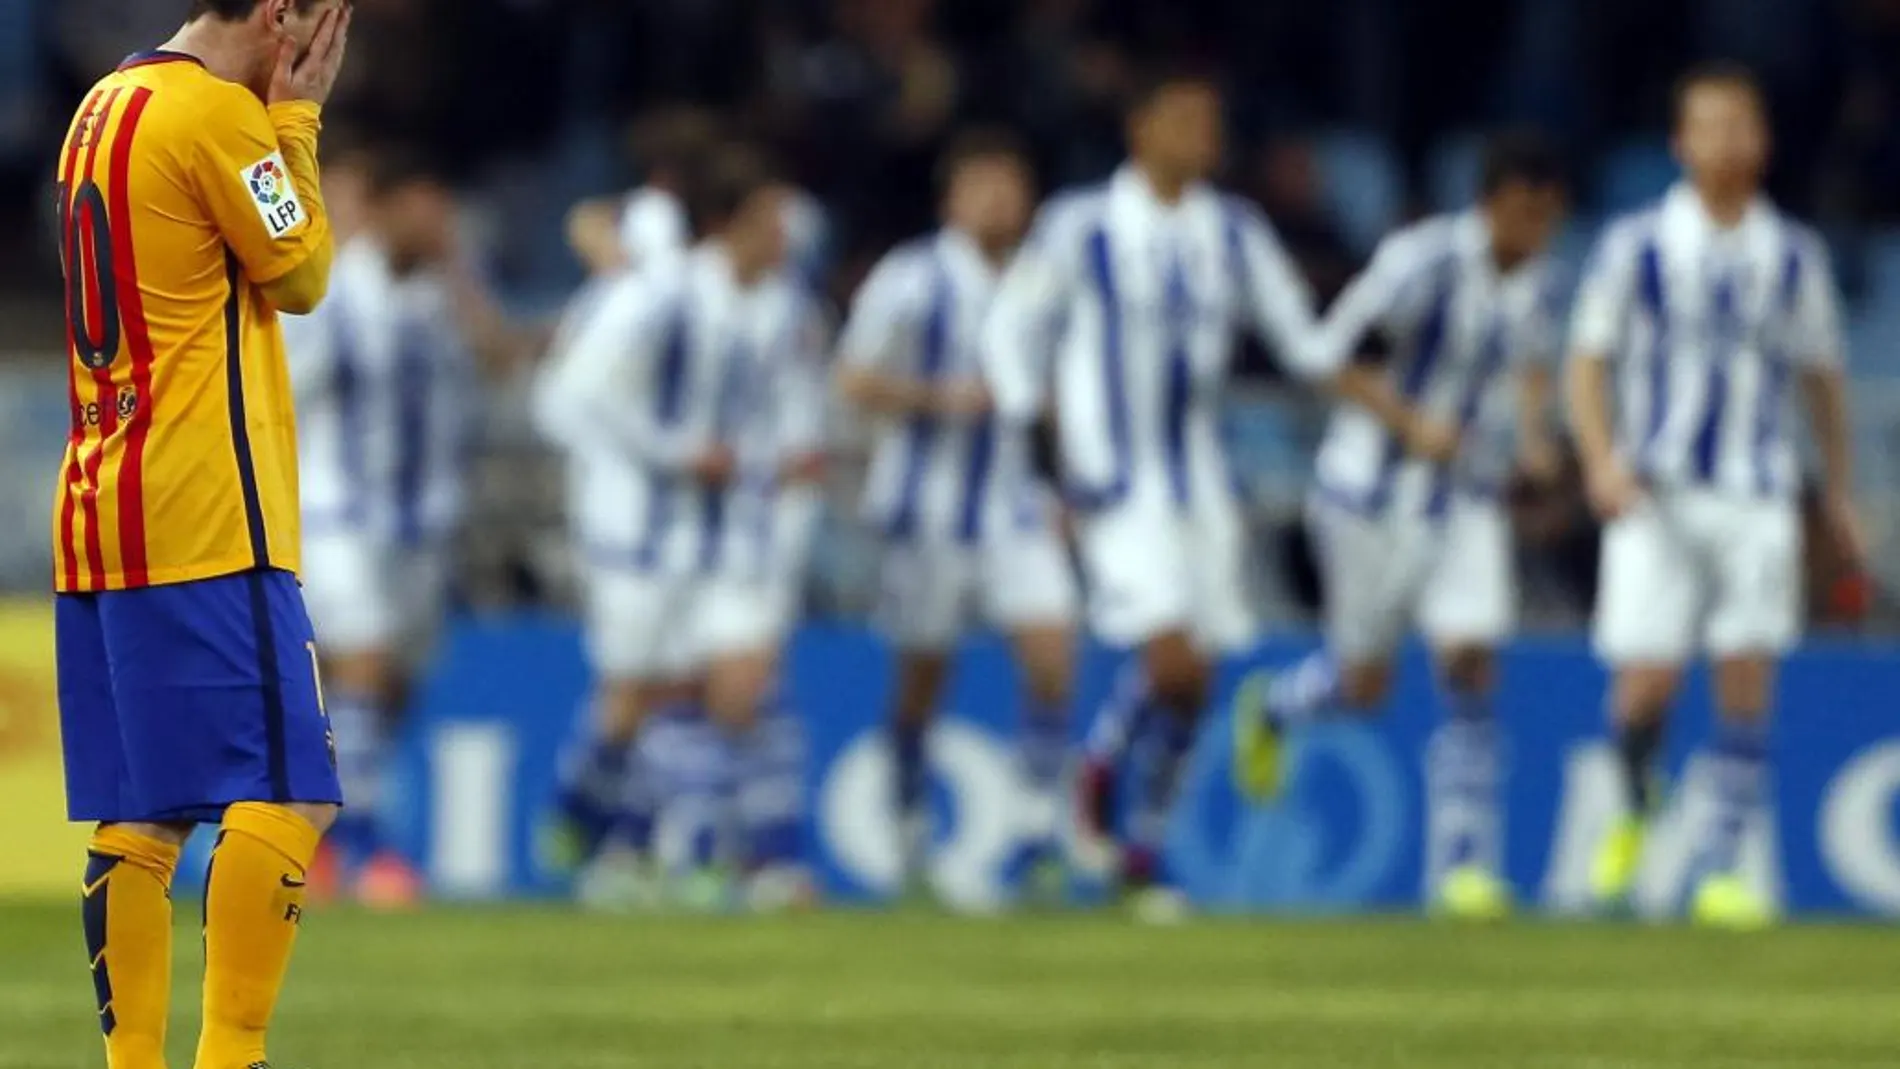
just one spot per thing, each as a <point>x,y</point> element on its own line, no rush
<point>127,911</point>
<point>253,904</point>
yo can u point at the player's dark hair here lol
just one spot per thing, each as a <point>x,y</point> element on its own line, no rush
<point>236,10</point>
<point>977,145</point>
<point>1521,156</point>
<point>1721,73</point>
<point>730,177</point>
<point>674,141</point>
<point>1158,79</point>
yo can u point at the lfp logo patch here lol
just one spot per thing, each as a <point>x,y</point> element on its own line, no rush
<point>271,189</point>
<point>267,182</point>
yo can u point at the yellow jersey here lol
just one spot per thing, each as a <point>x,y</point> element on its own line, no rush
<point>176,204</point>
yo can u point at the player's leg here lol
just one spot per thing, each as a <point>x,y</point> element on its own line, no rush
<point>126,909</point>
<point>1029,592</point>
<point>1144,591</point>
<point>604,789</point>
<point>1467,609</point>
<point>355,612</point>
<point>920,612</point>
<point>762,749</point>
<point>663,774</point>
<point>1112,730</point>
<point>1369,574</point>
<point>1180,678</point>
<point>222,720</point>
<point>1753,621</point>
<point>1648,615</point>
<point>126,905</point>
<point>364,691</point>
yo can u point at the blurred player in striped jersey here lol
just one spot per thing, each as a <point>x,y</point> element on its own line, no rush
<point>1123,308</point>
<point>1406,512</point>
<point>385,387</point>
<point>964,522</point>
<point>1695,319</point>
<point>688,395</point>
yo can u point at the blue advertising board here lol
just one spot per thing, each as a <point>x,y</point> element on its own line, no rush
<point>480,764</point>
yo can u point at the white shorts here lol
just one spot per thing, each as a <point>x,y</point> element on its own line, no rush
<point>1152,569</point>
<point>366,595</point>
<point>1700,571</point>
<point>1453,579</point>
<point>738,616</point>
<point>643,625</point>
<point>933,591</point>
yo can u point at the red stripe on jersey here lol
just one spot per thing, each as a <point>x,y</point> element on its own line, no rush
<point>69,554</point>
<point>125,266</point>
<point>108,412</point>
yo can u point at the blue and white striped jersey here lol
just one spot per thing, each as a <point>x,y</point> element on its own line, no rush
<point>1128,308</point>
<point>385,392</point>
<point>920,314</point>
<point>667,366</point>
<point>1707,326</point>
<point>1457,328</point>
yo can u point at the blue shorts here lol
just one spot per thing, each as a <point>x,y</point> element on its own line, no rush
<point>177,701</point>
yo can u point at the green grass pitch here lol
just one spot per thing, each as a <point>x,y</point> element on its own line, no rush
<point>544,989</point>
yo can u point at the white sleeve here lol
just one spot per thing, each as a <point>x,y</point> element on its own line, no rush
<point>1278,299</point>
<point>1390,294</point>
<point>610,389</point>
<point>1816,339</point>
<point>555,389</point>
<point>888,308</point>
<point>653,228</point>
<point>1025,319</point>
<point>1603,302</point>
<point>803,400</point>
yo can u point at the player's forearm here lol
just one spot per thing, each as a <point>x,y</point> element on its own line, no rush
<point>1826,395</point>
<point>1587,399</point>
<point>885,395</point>
<point>1369,389</point>
<point>303,288</point>
<point>659,448</point>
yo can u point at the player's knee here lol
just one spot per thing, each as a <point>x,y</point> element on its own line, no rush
<point>320,816</point>
<point>1642,694</point>
<point>1364,686</point>
<point>622,702</point>
<point>1744,687</point>
<point>1048,667</point>
<point>1050,682</point>
<point>736,690</point>
<point>367,672</point>
<point>170,833</point>
<point>1468,669</point>
<point>1177,674</point>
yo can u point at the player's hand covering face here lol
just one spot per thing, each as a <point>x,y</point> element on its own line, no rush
<point>310,53</point>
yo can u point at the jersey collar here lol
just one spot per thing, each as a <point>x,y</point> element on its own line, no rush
<point>158,55</point>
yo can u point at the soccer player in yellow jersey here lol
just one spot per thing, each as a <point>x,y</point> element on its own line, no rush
<point>190,215</point>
